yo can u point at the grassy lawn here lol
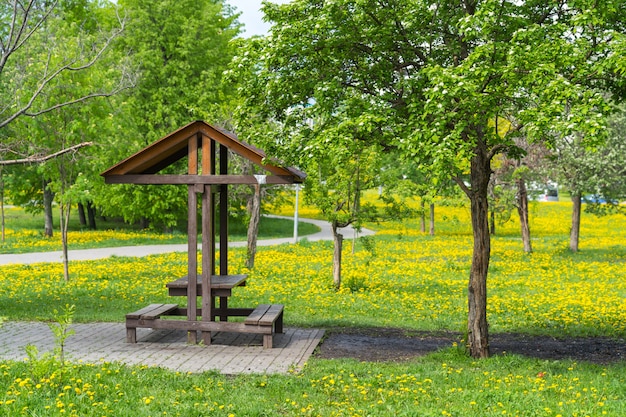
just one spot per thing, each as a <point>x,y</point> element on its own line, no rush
<point>399,278</point>
<point>441,384</point>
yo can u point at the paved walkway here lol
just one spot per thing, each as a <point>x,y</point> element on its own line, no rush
<point>325,233</point>
<point>229,353</point>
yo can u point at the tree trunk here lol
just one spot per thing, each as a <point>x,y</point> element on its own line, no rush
<point>2,204</point>
<point>63,223</point>
<point>432,219</point>
<point>423,216</point>
<point>48,216</point>
<point>338,244</point>
<point>2,215</point>
<point>81,214</point>
<point>91,215</point>
<point>575,231</point>
<point>254,206</point>
<point>477,327</point>
<point>522,210</point>
<point>492,222</point>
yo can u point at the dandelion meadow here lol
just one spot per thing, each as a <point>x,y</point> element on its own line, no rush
<point>400,278</point>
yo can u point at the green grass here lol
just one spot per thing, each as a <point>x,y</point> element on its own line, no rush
<point>446,383</point>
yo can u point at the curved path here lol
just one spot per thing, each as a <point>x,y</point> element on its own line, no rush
<point>325,233</point>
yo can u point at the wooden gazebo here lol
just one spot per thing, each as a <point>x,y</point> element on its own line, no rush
<point>207,151</point>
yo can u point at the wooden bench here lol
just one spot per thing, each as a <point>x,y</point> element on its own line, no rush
<point>149,314</point>
<point>269,319</point>
<point>266,319</point>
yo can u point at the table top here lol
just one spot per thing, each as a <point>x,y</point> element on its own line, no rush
<point>217,281</point>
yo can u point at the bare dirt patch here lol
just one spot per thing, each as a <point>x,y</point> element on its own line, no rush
<point>385,344</point>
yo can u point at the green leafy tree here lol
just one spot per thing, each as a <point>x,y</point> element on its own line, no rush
<point>511,181</point>
<point>340,169</point>
<point>339,151</point>
<point>56,56</point>
<point>181,49</point>
<point>66,114</point>
<point>592,175</point>
<point>438,73</point>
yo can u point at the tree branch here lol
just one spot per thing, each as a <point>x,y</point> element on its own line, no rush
<point>79,63</point>
<point>495,150</point>
<point>40,159</point>
<point>461,184</point>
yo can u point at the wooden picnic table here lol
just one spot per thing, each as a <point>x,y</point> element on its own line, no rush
<point>265,319</point>
<point>221,287</point>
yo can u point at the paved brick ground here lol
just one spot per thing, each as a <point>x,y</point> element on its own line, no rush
<point>229,353</point>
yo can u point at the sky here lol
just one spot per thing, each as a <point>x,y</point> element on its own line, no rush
<point>251,16</point>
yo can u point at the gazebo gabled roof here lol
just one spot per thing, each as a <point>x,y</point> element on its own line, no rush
<point>175,146</point>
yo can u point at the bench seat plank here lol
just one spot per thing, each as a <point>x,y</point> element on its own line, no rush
<point>159,311</point>
<point>271,315</point>
<point>137,314</point>
<point>257,314</point>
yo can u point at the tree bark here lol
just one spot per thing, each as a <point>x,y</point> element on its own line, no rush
<point>522,211</point>
<point>48,216</point>
<point>81,214</point>
<point>432,219</point>
<point>477,327</point>
<point>39,159</point>
<point>253,227</point>
<point>64,222</point>
<point>2,205</point>
<point>423,216</point>
<point>575,231</point>
<point>338,245</point>
<point>91,215</point>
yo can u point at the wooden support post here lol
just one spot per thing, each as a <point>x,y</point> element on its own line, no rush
<point>223,203</point>
<point>208,232</point>
<point>192,242</point>
<point>207,259</point>
<point>223,212</point>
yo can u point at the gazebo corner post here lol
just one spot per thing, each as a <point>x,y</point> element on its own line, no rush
<point>208,232</point>
<point>207,259</point>
<point>223,219</point>
<point>192,239</point>
<point>223,204</point>
<point>192,261</point>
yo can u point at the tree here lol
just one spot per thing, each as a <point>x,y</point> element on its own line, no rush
<point>439,73</point>
<point>407,180</point>
<point>54,56</point>
<point>340,169</point>
<point>512,178</point>
<point>181,49</point>
<point>597,171</point>
<point>339,151</point>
